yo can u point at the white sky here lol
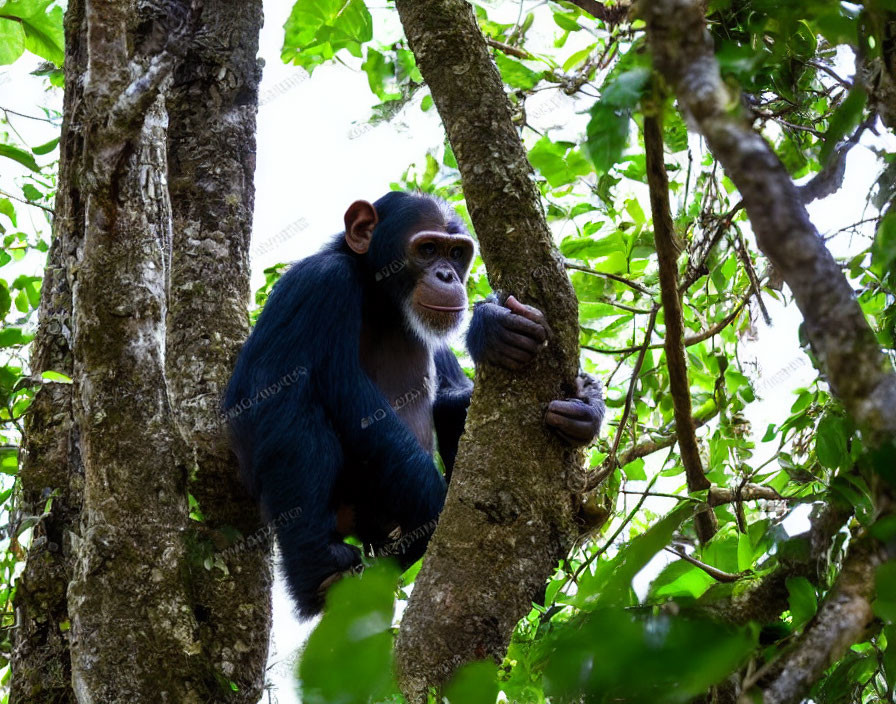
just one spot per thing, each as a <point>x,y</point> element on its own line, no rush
<point>316,154</point>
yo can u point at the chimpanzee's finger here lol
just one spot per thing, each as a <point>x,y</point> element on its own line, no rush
<point>533,314</point>
<point>525,326</point>
<point>523,342</point>
<point>571,408</point>
<point>579,431</point>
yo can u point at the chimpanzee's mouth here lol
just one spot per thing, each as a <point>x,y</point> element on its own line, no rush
<point>443,309</point>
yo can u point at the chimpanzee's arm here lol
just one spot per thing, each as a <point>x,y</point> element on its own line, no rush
<point>449,411</point>
<point>510,336</point>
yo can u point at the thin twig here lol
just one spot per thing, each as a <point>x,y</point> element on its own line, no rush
<point>29,117</point>
<point>689,340</point>
<point>615,277</point>
<point>26,202</point>
<point>508,49</point>
<point>609,463</point>
<point>713,572</point>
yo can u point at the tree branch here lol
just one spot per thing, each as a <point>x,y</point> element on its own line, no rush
<point>859,373</point>
<point>613,277</point>
<point>676,361</point>
<point>763,599</point>
<point>713,572</point>
<point>842,620</point>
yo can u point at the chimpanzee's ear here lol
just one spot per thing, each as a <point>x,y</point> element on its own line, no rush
<point>360,219</point>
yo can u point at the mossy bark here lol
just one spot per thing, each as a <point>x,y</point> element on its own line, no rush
<point>511,507</point>
<point>126,596</point>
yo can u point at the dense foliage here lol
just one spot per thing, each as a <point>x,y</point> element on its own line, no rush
<point>641,611</point>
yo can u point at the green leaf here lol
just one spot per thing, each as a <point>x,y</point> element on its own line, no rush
<point>885,585</point>
<point>42,25</point>
<point>844,120</point>
<point>476,683</point>
<point>890,656</point>
<point>5,299</point>
<point>55,376</point>
<point>31,193</point>
<point>379,72</point>
<point>12,40</point>
<point>883,251</point>
<point>349,655</point>
<point>830,442</point>
<point>516,74</point>
<point>9,462</point>
<point>802,599</point>
<point>559,162</point>
<point>680,579</point>
<point>607,135</point>
<point>634,471</point>
<point>616,656</point>
<point>626,89</point>
<point>19,155</point>
<point>611,582</point>
<point>11,336</point>
<point>317,29</point>
<point>8,209</point>
<point>46,148</point>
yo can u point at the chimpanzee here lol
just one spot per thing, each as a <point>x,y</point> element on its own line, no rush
<point>337,392</point>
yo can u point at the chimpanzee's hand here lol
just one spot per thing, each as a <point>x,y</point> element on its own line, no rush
<point>508,336</point>
<point>577,420</point>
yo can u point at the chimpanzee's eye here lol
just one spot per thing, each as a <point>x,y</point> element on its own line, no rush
<point>427,249</point>
<point>457,253</point>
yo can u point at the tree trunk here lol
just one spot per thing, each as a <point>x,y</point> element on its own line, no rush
<point>509,515</point>
<point>151,236</point>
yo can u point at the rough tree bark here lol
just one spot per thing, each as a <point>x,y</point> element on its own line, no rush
<point>509,516</point>
<point>150,239</point>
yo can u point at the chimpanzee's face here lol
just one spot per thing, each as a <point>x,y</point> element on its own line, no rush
<point>438,262</point>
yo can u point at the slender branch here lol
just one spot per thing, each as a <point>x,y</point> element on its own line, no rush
<point>508,49</point>
<point>26,202</point>
<point>614,277</point>
<point>695,271</point>
<point>713,572</point>
<point>744,256</point>
<point>609,464</point>
<point>748,492</point>
<point>648,447</point>
<point>833,74</point>
<point>676,360</point>
<point>690,340</point>
<point>29,117</point>
<point>623,306</point>
<point>791,125</point>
